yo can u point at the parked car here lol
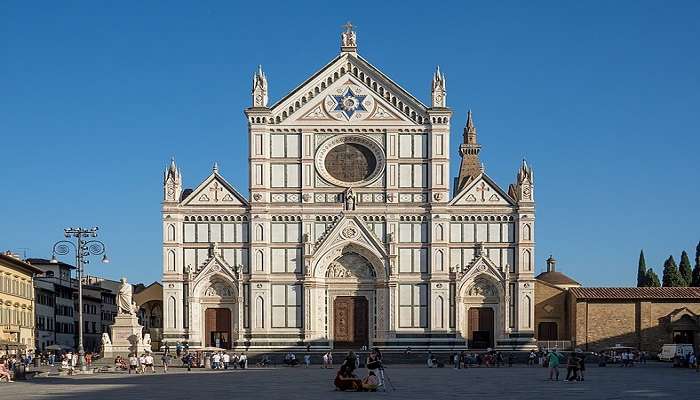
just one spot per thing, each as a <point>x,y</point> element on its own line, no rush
<point>670,351</point>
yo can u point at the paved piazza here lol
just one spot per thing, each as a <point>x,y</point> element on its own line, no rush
<point>650,381</point>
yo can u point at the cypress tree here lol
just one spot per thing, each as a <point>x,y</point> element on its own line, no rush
<point>696,270</point>
<point>652,279</point>
<point>685,270</point>
<point>642,271</point>
<point>671,277</point>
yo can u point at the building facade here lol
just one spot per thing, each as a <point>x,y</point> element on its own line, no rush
<point>16,304</point>
<point>351,234</point>
<point>56,318</point>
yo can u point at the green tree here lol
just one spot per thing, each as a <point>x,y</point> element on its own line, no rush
<point>652,279</point>
<point>642,270</point>
<point>671,276</point>
<point>685,269</point>
<point>696,270</point>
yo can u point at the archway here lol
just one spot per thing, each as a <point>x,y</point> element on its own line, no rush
<point>215,311</point>
<point>481,312</point>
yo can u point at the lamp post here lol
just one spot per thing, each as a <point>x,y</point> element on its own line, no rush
<point>83,247</point>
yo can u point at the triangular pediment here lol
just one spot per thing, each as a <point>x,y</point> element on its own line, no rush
<point>216,264</point>
<point>215,191</point>
<point>349,90</point>
<point>482,191</point>
<point>480,265</point>
<point>350,229</point>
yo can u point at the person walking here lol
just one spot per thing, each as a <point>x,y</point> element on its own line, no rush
<point>572,367</point>
<point>531,358</point>
<point>243,361</point>
<point>225,359</point>
<point>149,363</point>
<point>307,360</point>
<point>178,349</point>
<point>325,361</point>
<point>215,358</point>
<point>165,359</point>
<point>188,361</point>
<point>553,362</point>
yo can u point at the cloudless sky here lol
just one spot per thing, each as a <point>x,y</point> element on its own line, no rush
<point>601,97</point>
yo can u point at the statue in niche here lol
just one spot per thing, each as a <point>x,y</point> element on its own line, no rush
<point>349,198</point>
<point>350,265</point>
<point>218,289</point>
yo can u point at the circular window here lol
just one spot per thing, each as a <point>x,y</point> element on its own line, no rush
<point>350,162</point>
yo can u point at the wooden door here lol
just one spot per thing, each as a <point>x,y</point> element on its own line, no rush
<point>547,331</point>
<point>217,325</point>
<point>350,322</point>
<point>480,327</point>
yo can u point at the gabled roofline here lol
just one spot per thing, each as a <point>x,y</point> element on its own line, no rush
<point>488,179</point>
<point>214,175</point>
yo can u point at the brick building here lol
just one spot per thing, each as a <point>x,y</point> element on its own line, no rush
<point>570,316</point>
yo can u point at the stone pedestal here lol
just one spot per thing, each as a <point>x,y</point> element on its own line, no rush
<point>126,337</point>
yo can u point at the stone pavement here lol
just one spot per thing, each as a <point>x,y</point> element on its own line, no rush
<point>654,380</point>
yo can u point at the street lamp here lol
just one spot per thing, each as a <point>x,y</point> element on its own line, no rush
<point>82,248</point>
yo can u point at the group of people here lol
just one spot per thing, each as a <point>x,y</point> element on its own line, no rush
<point>139,364</point>
<point>7,364</point>
<point>346,379</point>
<point>223,360</point>
<point>575,365</point>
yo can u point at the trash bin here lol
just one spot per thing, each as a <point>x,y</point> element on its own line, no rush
<point>20,372</point>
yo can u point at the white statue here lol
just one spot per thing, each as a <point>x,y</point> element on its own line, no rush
<point>348,38</point>
<point>124,301</point>
<point>147,340</point>
<point>349,200</point>
<point>105,340</point>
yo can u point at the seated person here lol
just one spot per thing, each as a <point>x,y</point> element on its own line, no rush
<point>371,382</point>
<point>345,380</point>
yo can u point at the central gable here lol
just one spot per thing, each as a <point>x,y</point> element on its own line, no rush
<point>349,90</point>
<point>215,191</point>
<point>480,191</point>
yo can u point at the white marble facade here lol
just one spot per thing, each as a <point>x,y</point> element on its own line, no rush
<point>349,196</point>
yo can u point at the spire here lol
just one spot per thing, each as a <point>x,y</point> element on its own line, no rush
<point>525,173</point>
<point>470,166</point>
<point>172,182</point>
<point>259,88</point>
<point>215,168</point>
<point>348,39</point>
<point>439,89</point>
<point>523,189</point>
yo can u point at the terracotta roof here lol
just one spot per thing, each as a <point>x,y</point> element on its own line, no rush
<point>556,278</point>
<point>616,293</point>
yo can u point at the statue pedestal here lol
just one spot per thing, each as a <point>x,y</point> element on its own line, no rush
<point>126,337</point>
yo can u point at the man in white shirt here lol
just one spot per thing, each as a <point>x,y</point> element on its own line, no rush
<point>243,361</point>
<point>215,361</point>
<point>226,359</point>
<point>149,362</point>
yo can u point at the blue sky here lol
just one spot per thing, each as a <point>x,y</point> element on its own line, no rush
<point>602,98</point>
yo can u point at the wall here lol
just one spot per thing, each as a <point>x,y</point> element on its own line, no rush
<point>551,306</point>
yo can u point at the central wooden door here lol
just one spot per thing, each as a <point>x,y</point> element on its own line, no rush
<point>217,327</point>
<point>480,320</point>
<point>350,322</point>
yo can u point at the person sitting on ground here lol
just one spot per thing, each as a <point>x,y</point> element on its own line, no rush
<point>350,361</point>
<point>5,371</point>
<point>371,382</point>
<point>346,380</point>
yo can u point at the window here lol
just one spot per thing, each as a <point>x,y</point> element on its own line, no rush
<point>413,146</point>
<point>235,233</point>
<point>286,306</point>
<point>286,232</point>
<point>416,232</point>
<point>413,306</point>
<point>378,228</point>
<point>285,145</point>
<point>285,175</point>
<point>286,261</point>
<point>236,257</point>
<point>413,260</point>
<point>413,175</point>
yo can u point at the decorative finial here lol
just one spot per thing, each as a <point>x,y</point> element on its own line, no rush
<point>215,168</point>
<point>439,89</point>
<point>348,39</point>
<point>259,88</point>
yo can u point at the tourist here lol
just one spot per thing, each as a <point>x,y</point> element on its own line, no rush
<point>133,363</point>
<point>581,363</point>
<point>88,359</point>
<point>226,359</point>
<point>165,359</point>
<point>215,358</point>
<point>52,359</point>
<point>346,380</point>
<point>429,361</point>
<point>325,360</point>
<point>572,367</point>
<point>330,360</point>
<point>307,360</point>
<point>371,382</point>
<point>243,361</point>
<point>142,363</point>
<point>531,358</point>
<point>5,371</point>
<point>149,363</point>
<point>178,349</point>
<point>188,361</point>
<point>350,361</point>
<point>553,362</point>
<point>643,357</point>
<point>234,360</point>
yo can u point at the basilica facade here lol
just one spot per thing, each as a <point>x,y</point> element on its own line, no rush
<point>353,232</point>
